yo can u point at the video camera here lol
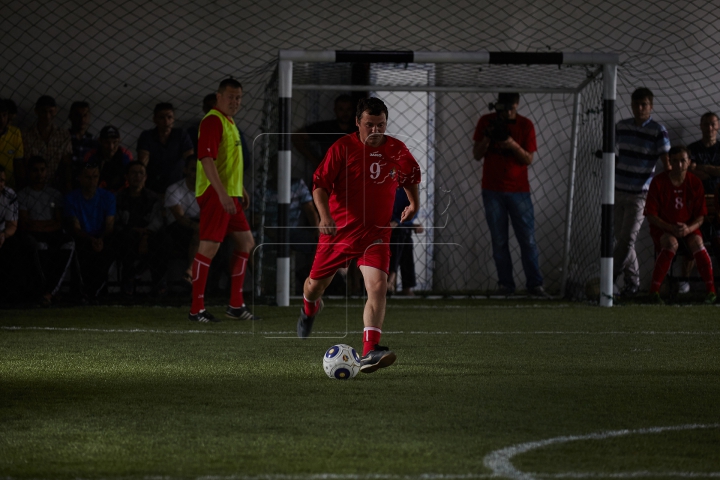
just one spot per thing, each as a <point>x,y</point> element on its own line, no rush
<point>498,130</point>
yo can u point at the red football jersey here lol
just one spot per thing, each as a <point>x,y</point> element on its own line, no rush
<point>501,171</point>
<point>675,204</point>
<point>361,181</point>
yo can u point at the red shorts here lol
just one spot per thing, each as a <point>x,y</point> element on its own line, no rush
<point>656,235</point>
<point>215,222</point>
<point>333,254</point>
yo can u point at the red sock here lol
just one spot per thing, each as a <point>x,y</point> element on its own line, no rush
<point>311,308</point>
<point>371,337</point>
<point>704,266</point>
<point>238,262</point>
<point>200,268</point>
<point>662,265</point>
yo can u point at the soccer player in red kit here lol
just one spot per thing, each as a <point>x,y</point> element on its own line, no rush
<point>219,191</point>
<point>675,208</point>
<point>354,192</point>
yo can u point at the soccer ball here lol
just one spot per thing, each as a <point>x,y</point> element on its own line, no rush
<point>341,362</point>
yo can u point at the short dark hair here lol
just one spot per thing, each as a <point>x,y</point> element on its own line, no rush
<point>135,163</point>
<point>34,160</point>
<point>45,101</point>
<point>209,101</point>
<point>4,107</point>
<point>11,107</point>
<point>508,98</point>
<point>190,159</point>
<point>229,82</point>
<point>163,106</point>
<point>641,94</point>
<point>372,105</point>
<point>79,104</point>
<point>675,149</point>
<point>708,115</point>
<point>344,98</point>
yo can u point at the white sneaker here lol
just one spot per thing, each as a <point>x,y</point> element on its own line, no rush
<point>683,287</point>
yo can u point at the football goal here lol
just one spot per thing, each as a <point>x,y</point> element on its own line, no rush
<point>435,100</point>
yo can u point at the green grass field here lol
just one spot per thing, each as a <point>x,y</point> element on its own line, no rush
<point>514,389</point>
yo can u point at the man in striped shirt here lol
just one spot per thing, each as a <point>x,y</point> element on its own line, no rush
<point>641,142</point>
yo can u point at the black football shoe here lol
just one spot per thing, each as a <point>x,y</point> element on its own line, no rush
<point>241,313</point>
<point>305,322</point>
<point>379,357</point>
<point>203,317</point>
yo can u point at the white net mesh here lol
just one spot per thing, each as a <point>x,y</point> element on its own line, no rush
<point>124,58</point>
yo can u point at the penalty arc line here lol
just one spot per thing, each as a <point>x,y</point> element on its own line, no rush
<point>500,462</point>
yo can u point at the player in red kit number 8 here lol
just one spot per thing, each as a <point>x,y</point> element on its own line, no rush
<point>354,192</point>
<point>675,208</point>
<point>219,191</point>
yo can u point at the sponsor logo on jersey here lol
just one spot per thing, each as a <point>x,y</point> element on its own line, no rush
<point>376,154</point>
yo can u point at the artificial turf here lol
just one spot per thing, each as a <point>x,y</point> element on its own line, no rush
<point>126,392</point>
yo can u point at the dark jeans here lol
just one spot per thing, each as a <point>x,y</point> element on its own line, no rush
<point>133,263</point>
<point>51,256</point>
<point>401,255</point>
<point>499,206</point>
<point>94,266</point>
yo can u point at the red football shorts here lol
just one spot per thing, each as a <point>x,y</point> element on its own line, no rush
<point>215,222</point>
<point>332,254</point>
<point>657,235</point>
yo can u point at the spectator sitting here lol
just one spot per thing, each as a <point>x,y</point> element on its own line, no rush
<point>303,239</point>
<point>675,208</point>
<point>82,140</point>
<point>8,227</point>
<point>164,149</point>
<point>11,145</point>
<point>184,221</point>
<point>40,223</point>
<point>138,223</point>
<point>705,164</point>
<point>401,246</point>
<point>90,212</point>
<point>111,158</point>
<point>208,103</point>
<point>46,140</point>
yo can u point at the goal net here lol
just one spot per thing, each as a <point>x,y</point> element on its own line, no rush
<point>433,108</point>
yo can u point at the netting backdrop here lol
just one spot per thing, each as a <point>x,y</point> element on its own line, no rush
<point>125,58</point>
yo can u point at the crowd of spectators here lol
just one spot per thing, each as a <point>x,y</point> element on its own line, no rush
<point>80,209</point>
<point>73,204</point>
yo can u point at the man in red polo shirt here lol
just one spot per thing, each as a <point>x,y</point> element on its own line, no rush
<point>506,141</point>
<point>219,191</point>
<point>354,192</point>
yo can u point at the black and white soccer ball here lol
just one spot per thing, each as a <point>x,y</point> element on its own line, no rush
<point>341,362</point>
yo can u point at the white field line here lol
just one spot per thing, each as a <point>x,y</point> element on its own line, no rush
<point>500,462</point>
<point>637,474</point>
<point>344,332</point>
<point>435,476</point>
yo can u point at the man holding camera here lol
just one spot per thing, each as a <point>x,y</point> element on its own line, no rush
<point>506,141</point>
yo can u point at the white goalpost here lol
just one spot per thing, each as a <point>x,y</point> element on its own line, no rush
<point>399,75</point>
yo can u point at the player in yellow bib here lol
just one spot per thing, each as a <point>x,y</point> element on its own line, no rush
<point>222,199</point>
